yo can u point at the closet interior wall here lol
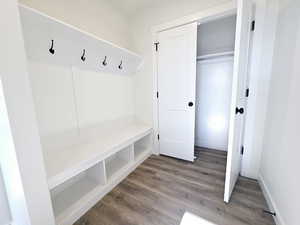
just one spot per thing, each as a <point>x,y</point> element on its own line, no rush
<point>215,47</point>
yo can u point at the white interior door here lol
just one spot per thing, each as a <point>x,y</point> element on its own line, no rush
<point>238,101</point>
<point>176,59</point>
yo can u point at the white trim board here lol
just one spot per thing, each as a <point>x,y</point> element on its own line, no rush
<point>270,201</point>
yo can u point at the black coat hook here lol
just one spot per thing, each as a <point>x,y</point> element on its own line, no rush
<point>51,50</point>
<point>120,66</point>
<point>104,63</point>
<point>83,55</point>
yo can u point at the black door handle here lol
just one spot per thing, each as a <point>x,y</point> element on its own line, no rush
<point>239,110</point>
<point>191,104</point>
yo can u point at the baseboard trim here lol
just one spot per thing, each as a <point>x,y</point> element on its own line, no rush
<point>270,201</point>
<point>197,145</point>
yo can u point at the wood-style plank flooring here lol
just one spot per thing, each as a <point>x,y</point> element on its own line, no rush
<point>161,189</point>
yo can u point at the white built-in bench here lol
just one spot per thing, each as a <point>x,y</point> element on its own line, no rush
<point>82,163</point>
<point>81,172</point>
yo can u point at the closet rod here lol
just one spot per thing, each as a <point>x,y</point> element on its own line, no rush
<point>215,55</point>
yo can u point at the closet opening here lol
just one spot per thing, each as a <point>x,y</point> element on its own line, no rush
<point>201,80</point>
<point>214,74</point>
<point>201,69</point>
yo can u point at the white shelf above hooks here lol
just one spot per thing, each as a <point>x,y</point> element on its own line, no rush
<point>52,41</point>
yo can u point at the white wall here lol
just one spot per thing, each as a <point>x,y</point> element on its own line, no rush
<point>4,208</point>
<point>280,155</point>
<point>94,16</point>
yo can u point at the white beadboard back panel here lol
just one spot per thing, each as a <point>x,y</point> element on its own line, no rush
<point>69,99</point>
<point>101,97</point>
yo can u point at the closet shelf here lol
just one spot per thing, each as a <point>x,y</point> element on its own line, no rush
<point>65,163</point>
<point>52,41</point>
<point>215,55</point>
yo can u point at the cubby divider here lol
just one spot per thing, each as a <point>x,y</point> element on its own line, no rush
<point>118,161</point>
<point>142,146</point>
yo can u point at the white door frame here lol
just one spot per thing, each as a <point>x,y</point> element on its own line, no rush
<point>200,17</point>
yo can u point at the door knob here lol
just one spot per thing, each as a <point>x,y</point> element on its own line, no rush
<point>239,110</point>
<point>191,104</point>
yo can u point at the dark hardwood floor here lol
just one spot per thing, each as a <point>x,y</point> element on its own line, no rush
<point>161,189</point>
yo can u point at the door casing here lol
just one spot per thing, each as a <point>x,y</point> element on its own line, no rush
<point>211,14</point>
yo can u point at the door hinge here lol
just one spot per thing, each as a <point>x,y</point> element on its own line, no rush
<point>157,94</point>
<point>156,46</point>
<point>158,137</point>
<point>253,25</point>
<point>247,92</point>
<point>242,150</point>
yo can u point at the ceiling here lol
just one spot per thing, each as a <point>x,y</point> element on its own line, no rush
<point>130,7</point>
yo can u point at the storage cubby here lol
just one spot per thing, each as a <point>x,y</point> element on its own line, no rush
<point>72,191</point>
<point>142,146</point>
<point>116,162</point>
